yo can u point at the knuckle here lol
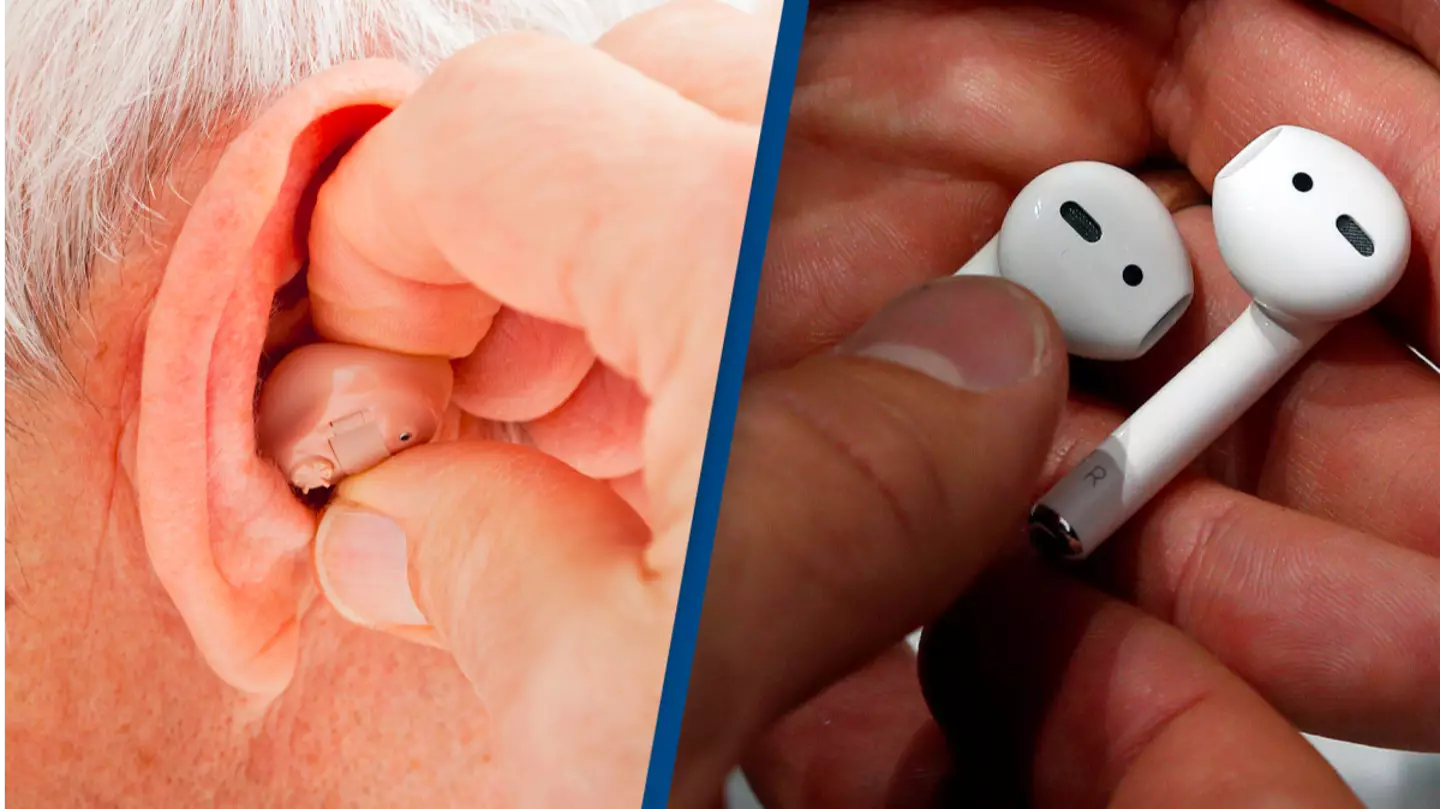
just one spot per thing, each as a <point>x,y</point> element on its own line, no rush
<point>522,87</point>
<point>681,8</point>
<point>659,22</point>
<point>1208,558</point>
<point>887,486</point>
<point>1171,710</point>
<point>503,56</point>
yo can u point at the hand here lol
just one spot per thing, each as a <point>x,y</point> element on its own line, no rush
<point>564,221</point>
<point>1295,583</point>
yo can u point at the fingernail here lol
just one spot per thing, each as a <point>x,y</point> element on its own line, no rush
<point>972,333</point>
<point>362,562</point>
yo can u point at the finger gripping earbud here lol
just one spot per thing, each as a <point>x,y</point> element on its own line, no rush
<point>330,410</point>
<point>1101,250</point>
<point>1316,234</point>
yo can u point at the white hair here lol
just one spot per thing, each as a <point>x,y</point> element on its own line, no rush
<point>101,96</point>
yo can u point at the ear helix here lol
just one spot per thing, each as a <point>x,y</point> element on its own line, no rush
<point>1316,234</point>
<point>329,410</point>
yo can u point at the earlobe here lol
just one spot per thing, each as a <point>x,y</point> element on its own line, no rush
<point>225,534</point>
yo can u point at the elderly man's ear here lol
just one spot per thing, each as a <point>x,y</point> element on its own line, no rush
<point>227,537</point>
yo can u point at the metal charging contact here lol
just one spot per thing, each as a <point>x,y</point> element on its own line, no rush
<point>1052,535</point>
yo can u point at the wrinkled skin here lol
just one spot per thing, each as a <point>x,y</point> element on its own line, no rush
<point>157,562</point>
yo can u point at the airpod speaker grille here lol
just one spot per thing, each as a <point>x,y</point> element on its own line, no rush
<point>1080,221</point>
<point>1355,235</point>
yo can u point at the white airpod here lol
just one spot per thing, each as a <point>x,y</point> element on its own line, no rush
<point>1101,250</point>
<point>1316,234</point>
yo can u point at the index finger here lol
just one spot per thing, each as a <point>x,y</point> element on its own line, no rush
<point>561,182</point>
<point>568,186</point>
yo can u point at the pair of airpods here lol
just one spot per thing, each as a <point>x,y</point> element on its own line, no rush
<point>1312,230</point>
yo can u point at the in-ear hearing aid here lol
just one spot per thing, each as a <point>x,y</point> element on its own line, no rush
<point>329,410</point>
<point>1316,234</point>
<point>1100,249</point>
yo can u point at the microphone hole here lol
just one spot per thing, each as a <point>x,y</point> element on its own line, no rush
<point>1303,182</point>
<point>1133,276</point>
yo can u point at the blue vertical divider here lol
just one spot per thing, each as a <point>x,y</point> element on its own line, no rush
<point>727,397</point>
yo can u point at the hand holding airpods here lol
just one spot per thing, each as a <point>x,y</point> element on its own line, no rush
<point>1316,234</point>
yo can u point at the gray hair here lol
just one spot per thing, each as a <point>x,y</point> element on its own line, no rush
<point>101,96</point>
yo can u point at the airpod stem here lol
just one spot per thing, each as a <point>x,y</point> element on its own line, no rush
<point>985,262</point>
<point>1169,432</point>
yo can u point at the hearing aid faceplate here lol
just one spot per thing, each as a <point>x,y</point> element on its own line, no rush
<point>330,410</point>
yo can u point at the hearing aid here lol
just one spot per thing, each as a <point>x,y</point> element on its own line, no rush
<point>1101,250</point>
<point>329,410</point>
<point>1316,234</point>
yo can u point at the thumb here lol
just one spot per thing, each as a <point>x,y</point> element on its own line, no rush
<point>867,488</point>
<point>531,575</point>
